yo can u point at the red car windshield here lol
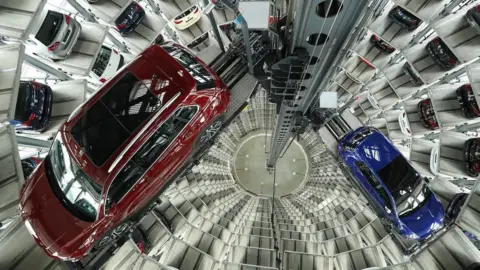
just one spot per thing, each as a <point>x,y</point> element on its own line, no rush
<point>118,114</point>
<point>73,188</point>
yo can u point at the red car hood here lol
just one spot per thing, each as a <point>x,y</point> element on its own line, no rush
<point>55,229</point>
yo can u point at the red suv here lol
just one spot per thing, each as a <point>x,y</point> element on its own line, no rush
<point>112,158</point>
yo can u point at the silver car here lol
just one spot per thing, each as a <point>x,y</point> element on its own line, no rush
<point>55,34</point>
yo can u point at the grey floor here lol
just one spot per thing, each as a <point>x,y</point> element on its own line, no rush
<point>250,170</point>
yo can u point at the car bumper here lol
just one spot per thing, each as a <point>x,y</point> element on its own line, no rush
<point>467,160</point>
<point>134,25</point>
<point>462,97</point>
<point>65,52</point>
<point>416,81</point>
<point>470,18</point>
<point>434,55</point>
<point>402,23</point>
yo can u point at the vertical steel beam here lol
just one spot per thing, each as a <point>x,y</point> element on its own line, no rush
<point>342,31</point>
<point>213,22</point>
<point>280,135</point>
<point>91,18</point>
<point>246,35</point>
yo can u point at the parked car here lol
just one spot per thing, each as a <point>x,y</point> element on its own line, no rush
<point>412,74</point>
<point>467,101</point>
<point>405,19</point>
<point>55,34</point>
<point>473,17</point>
<point>29,165</point>
<point>117,152</point>
<point>427,114</point>
<point>198,41</point>
<point>394,188</point>
<point>472,156</point>
<point>187,18</point>
<point>455,205</point>
<point>130,18</point>
<point>404,124</point>
<point>442,55</point>
<point>33,108</point>
<point>106,64</point>
<point>381,45</point>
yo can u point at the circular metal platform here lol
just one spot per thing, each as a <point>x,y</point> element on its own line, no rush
<point>250,170</point>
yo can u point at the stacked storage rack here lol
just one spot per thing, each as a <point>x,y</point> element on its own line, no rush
<point>384,96</point>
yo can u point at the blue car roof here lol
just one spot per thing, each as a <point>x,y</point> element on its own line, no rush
<point>371,147</point>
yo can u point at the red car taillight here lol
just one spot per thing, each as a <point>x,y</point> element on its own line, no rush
<point>436,41</point>
<point>67,19</point>
<point>137,8</point>
<point>477,166</point>
<point>452,61</point>
<point>196,11</point>
<point>115,51</point>
<point>121,26</point>
<point>102,80</point>
<point>478,8</point>
<point>375,37</point>
<point>178,21</point>
<point>54,46</point>
<point>403,114</point>
<point>35,85</point>
<point>30,119</point>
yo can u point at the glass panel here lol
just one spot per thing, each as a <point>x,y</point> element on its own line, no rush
<point>50,26</point>
<point>125,180</point>
<point>167,132</point>
<point>79,194</point>
<point>102,60</point>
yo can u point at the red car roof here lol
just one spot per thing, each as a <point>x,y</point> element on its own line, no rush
<point>153,65</point>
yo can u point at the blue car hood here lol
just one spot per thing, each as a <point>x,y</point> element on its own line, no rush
<point>425,220</point>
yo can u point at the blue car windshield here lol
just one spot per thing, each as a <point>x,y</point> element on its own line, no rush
<point>405,184</point>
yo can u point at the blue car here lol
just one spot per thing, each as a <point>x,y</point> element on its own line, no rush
<point>396,191</point>
<point>34,107</point>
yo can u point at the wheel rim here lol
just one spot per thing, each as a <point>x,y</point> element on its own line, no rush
<point>120,229</point>
<point>105,240</point>
<point>211,131</point>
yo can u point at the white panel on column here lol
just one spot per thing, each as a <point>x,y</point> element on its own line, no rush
<point>11,66</point>
<point>17,16</point>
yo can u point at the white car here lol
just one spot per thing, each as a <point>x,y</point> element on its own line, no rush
<point>54,34</point>
<point>106,65</point>
<point>373,101</point>
<point>187,18</point>
<point>404,124</point>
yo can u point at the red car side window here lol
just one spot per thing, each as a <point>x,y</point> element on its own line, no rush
<point>150,151</point>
